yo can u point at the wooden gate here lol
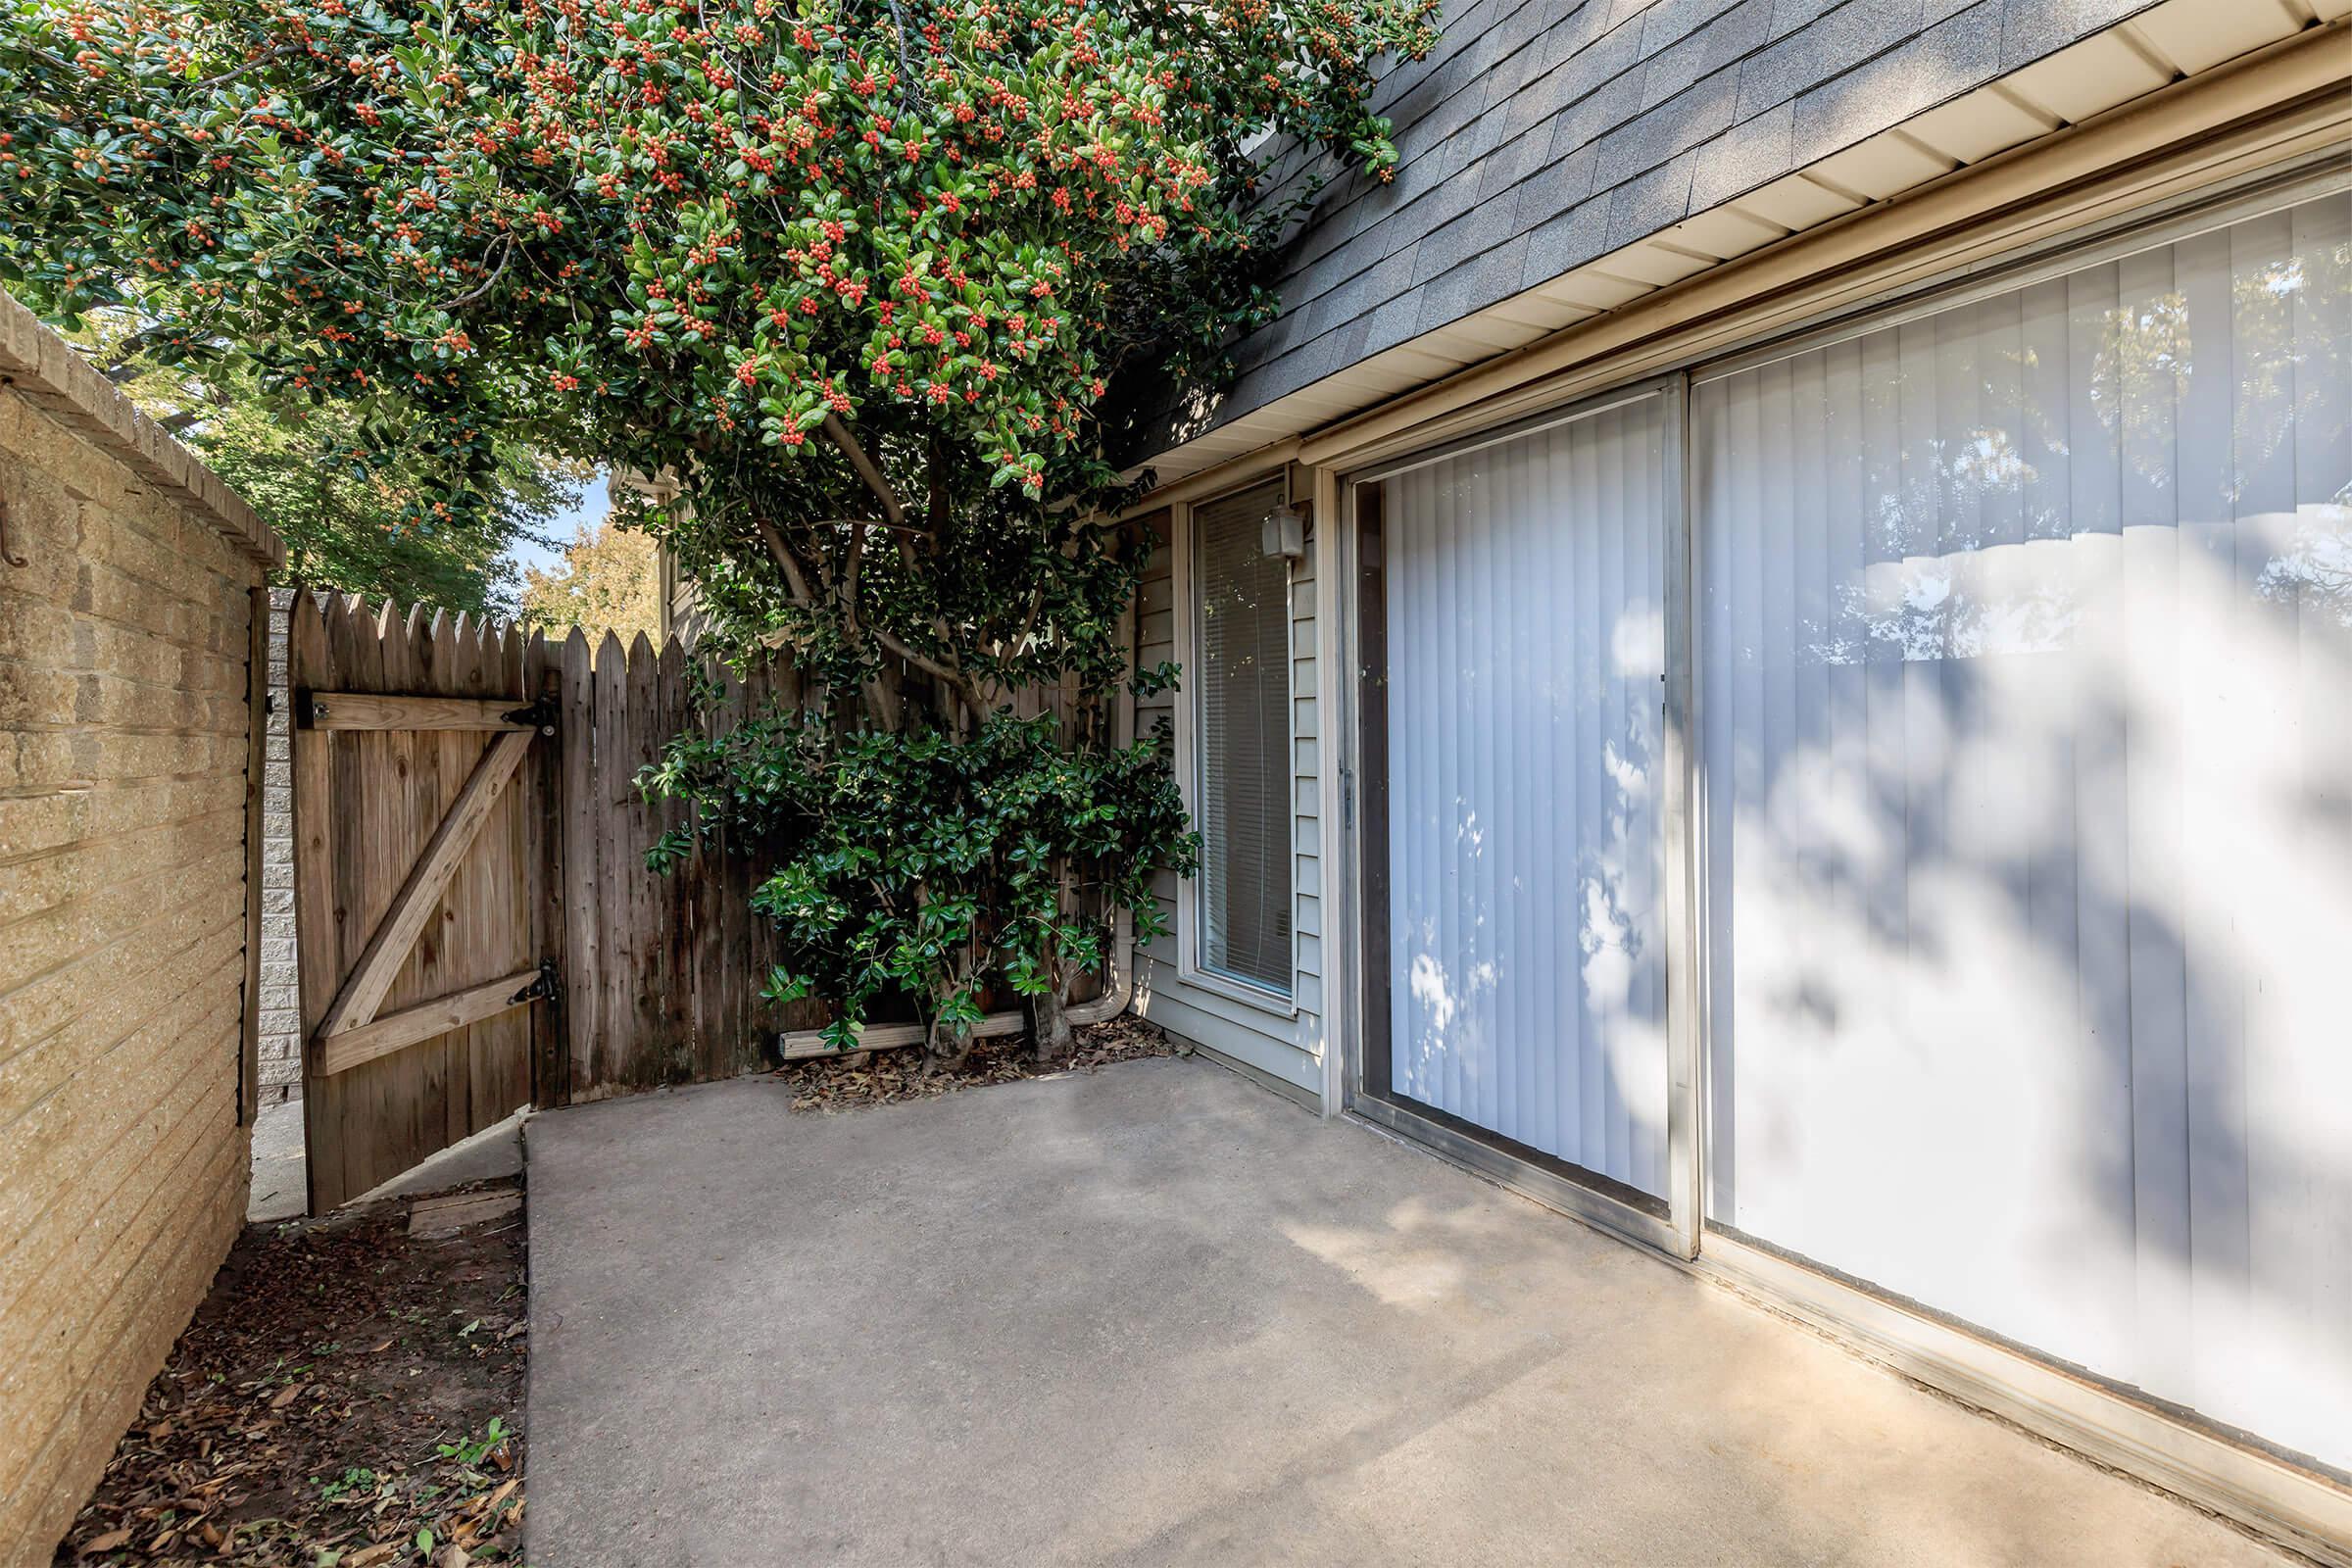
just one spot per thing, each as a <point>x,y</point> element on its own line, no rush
<point>424,770</point>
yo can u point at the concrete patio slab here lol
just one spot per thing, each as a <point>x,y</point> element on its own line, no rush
<point>1156,1315</point>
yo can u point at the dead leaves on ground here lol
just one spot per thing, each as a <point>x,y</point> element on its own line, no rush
<point>331,1407</point>
<point>886,1077</point>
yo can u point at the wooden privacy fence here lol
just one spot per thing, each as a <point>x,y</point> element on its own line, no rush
<point>662,973</point>
<point>476,922</point>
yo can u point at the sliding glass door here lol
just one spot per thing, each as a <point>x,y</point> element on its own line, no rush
<point>1516,613</point>
<point>2026,632</point>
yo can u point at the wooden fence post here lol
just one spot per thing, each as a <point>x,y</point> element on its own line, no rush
<point>551,1057</point>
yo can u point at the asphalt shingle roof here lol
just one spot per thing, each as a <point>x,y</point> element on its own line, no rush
<point>1543,133</point>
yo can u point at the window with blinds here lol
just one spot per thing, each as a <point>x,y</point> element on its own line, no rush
<point>1241,684</point>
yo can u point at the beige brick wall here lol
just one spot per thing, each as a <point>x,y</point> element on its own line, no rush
<point>125,754</point>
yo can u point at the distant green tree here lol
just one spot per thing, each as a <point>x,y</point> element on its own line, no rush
<point>347,526</point>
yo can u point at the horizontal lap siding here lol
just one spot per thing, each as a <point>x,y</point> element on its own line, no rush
<point>1155,645</point>
<point>123,750</point>
<point>1287,1048</point>
<point>1307,827</point>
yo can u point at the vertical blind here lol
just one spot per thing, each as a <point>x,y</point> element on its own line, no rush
<point>1244,780</point>
<point>2026,642</point>
<point>1525,641</point>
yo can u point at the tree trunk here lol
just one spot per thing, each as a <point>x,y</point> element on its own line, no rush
<point>946,1046</point>
<point>1049,1030</point>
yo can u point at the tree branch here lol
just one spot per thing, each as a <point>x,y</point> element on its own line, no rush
<point>837,432</point>
<point>963,685</point>
<point>279,52</point>
<point>126,364</point>
<point>795,579</point>
<point>488,283</point>
<point>1037,604</point>
<point>912,96</point>
<point>849,576</point>
<point>942,501</point>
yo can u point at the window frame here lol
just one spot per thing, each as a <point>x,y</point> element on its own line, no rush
<point>1184,573</point>
<point>2056,228</point>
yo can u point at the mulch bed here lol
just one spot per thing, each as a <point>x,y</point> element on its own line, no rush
<point>348,1396</point>
<point>884,1077</point>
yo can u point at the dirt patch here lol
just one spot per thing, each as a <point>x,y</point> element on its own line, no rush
<point>884,1077</point>
<point>348,1396</point>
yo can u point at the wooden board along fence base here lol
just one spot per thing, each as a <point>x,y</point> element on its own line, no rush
<point>799,1045</point>
<point>802,1044</point>
<point>385,1034</point>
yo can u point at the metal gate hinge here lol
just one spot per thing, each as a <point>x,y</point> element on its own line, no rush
<point>545,988</point>
<point>540,716</point>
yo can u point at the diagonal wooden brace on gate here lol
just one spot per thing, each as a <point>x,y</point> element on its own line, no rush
<point>354,1004</point>
<point>394,1030</point>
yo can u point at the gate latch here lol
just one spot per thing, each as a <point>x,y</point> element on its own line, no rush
<point>544,988</point>
<point>540,716</point>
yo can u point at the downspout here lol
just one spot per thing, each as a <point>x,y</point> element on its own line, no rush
<point>1119,984</point>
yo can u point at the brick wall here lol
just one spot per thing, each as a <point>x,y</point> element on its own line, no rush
<point>282,1004</point>
<point>125,761</point>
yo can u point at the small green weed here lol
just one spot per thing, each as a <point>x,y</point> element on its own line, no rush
<point>471,1451</point>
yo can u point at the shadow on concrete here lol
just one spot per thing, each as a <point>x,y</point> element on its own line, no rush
<point>1156,1315</point>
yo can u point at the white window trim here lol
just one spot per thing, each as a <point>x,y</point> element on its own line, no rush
<point>1181,543</point>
